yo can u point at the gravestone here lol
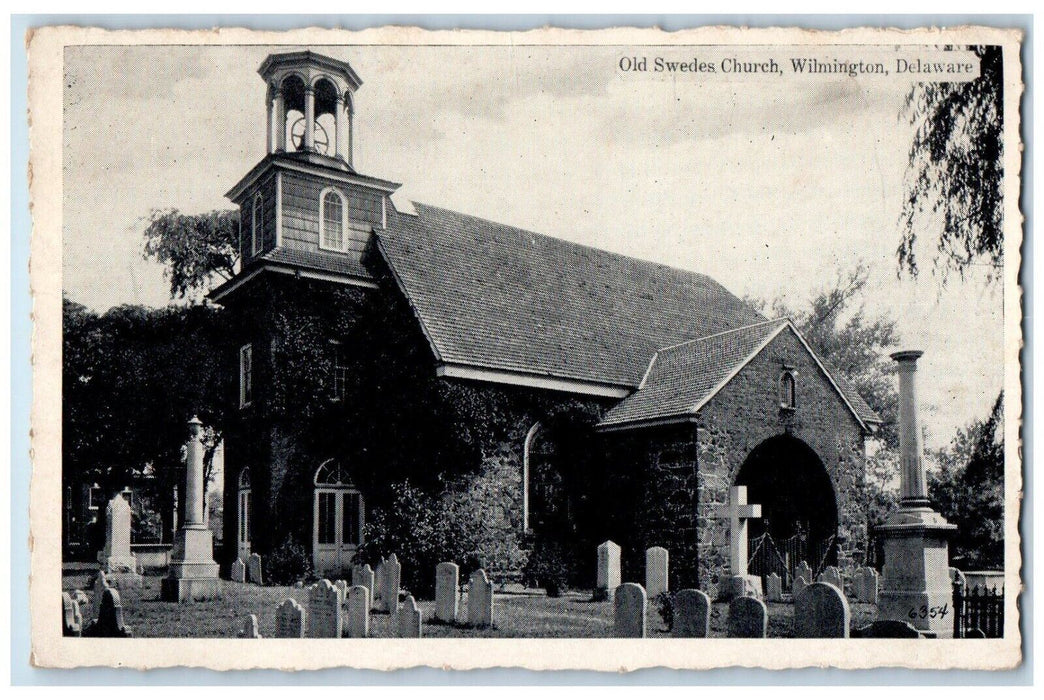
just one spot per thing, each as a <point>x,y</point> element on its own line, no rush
<point>887,629</point>
<point>870,586</point>
<point>804,571</point>
<point>748,618</point>
<point>480,600</point>
<point>290,620</point>
<point>408,619</point>
<point>101,584</point>
<point>254,569</point>
<point>250,629</point>
<point>629,609</point>
<point>358,612</point>
<point>377,592</point>
<point>116,559</point>
<point>800,584</point>
<point>656,572</point>
<point>821,611</point>
<point>773,588</point>
<point>388,584</point>
<point>739,512</point>
<point>110,618</point>
<point>691,614</point>
<point>832,575</point>
<point>72,620</point>
<point>238,573</point>
<point>447,583</point>
<point>363,576</point>
<point>342,586</point>
<point>81,598</point>
<point>608,575</point>
<point>324,610</point>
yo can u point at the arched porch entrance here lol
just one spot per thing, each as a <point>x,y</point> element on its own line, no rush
<point>798,508</point>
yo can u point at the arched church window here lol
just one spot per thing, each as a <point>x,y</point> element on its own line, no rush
<point>339,517</point>
<point>257,225</point>
<point>245,520</point>
<point>331,218</point>
<point>787,390</point>
<point>544,497</point>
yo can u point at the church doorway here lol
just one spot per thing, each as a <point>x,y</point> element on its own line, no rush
<point>338,518</point>
<point>798,509</point>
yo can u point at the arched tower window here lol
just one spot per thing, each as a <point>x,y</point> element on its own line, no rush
<point>339,517</point>
<point>332,220</point>
<point>245,520</point>
<point>787,390</point>
<point>257,223</point>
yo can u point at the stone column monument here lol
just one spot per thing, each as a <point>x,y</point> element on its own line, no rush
<point>193,574</point>
<point>916,587</point>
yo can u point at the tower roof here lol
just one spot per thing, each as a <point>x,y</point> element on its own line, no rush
<point>309,59</point>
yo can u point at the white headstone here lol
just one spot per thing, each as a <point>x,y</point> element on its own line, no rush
<point>656,579</point>
<point>290,620</point>
<point>117,557</point>
<point>608,578</point>
<point>342,586</point>
<point>821,611</point>
<point>692,610</point>
<point>832,575</point>
<point>773,588</point>
<point>254,569</point>
<point>871,585</point>
<point>800,583</point>
<point>239,571</point>
<point>363,576</point>
<point>629,609</point>
<point>72,618</point>
<point>480,600</point>
<point>803,570</point>
<point>358,612</point>
<point>748,618</point>
<point>324,610</point>
<point>377,592</point>
<point>408,619</point>
<point>447,584</point>
<point>250,629</point>
<point>388,584</point>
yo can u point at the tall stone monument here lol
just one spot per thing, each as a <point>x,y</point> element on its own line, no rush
<point>916,586</point>
<point>193,573</point>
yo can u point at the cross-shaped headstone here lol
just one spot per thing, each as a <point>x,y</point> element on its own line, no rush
<point>739,513</point>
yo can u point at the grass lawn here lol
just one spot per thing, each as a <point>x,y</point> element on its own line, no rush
<point>515,614</point>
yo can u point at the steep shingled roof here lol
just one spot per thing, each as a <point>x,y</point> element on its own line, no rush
<point>683,377</point>
<point>498,297</point>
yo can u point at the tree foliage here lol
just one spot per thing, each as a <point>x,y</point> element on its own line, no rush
<point>955,170</point>
<point>132,377</point>
<point>193,248</point>
<point>968,489</point>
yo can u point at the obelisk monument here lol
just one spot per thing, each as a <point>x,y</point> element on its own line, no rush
<point>193,574</point>
<point>916,586</point>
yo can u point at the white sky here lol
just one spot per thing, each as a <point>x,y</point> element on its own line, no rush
<point>771,186</point>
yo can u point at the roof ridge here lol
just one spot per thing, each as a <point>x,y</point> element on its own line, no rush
<point>720,333</point>
<point>586,246</point>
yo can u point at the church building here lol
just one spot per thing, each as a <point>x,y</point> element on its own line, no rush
<point>575,394</point>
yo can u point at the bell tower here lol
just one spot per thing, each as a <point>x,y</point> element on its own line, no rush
<point>310,104</point>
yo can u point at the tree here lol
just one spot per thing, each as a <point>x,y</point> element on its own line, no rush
<point>956,170</point>
<point>132,378</point>
<point>193,247</point>
<point>968,489</point>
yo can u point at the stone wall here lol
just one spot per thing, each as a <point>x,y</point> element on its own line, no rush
<point>746,412</point>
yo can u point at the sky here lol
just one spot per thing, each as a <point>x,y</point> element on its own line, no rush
<point>772,185</point>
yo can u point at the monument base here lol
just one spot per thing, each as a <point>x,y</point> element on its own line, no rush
<point>748,586</point>
<point>916,577</point>
<point>193,573</point>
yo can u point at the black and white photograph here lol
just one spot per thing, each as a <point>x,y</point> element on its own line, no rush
<point>552,336</point>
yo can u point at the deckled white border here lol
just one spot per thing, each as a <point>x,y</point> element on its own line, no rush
<point>45,177</point>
